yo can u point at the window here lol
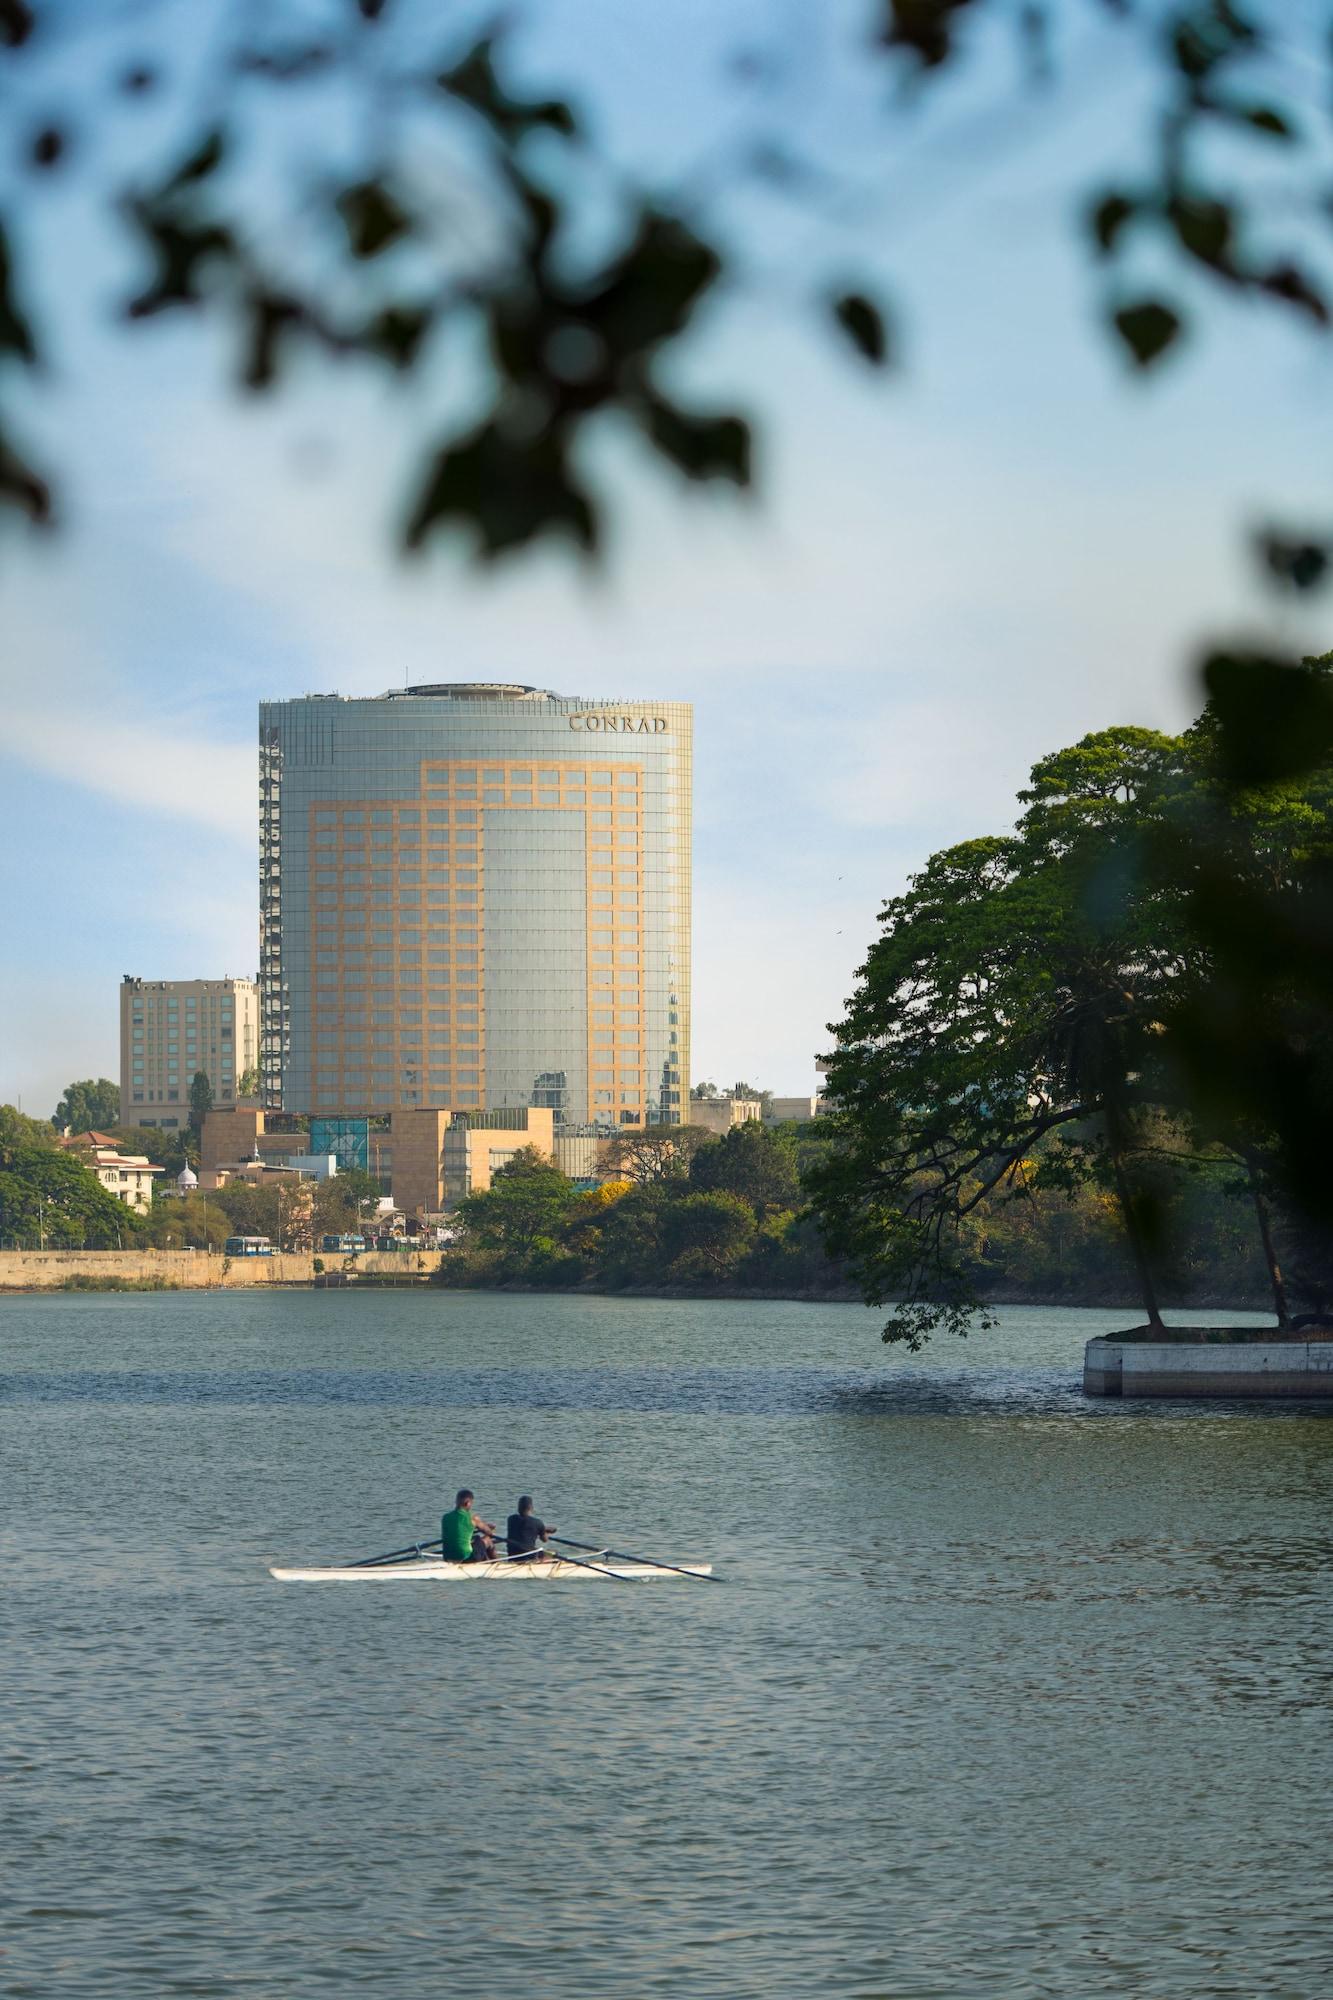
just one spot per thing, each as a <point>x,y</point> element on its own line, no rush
<point>600,818</point>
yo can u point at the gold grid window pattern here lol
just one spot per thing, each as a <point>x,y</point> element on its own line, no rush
<point>398,925</point>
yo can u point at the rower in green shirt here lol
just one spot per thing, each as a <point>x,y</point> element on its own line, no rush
<point>464,1538</point>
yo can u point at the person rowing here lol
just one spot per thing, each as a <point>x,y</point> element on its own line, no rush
<point>463,1536</point>
<point>524,1533</point>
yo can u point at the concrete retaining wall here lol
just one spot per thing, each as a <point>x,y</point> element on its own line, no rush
<point>1181,1368</point>
<point>193,1270</point>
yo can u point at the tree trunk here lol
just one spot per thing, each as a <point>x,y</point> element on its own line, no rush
<point>1134,1231</point>
<point>1265,1220</point>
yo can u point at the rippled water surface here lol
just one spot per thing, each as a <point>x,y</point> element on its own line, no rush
<point>1005,1693</point>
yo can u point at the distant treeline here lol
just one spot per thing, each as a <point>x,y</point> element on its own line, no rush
<point>689,1212</point>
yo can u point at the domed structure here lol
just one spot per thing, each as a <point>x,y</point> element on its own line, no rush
<point>186,1180</point>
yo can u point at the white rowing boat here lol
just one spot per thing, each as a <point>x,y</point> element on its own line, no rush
<point>431,1569</point>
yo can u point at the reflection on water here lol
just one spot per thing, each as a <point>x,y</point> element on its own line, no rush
<point>1008,1693</point>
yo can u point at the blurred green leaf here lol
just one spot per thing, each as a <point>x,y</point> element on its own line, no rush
<point>396,334</point>
<point>1289,283</point>
<point>1148,329</point>
<point>1274,719</point>
<point>1109,216</point>
<point>925,27</point>
<point>17,22</point>
<point>182,250</point>
<point>206,158</point>
<point>1298,561</point>
<point>16,335</point>
<point>509,488</point>
<point>1204,229</point>
<point>702,447</point>
<point>864,325</point>
<point>22,487</point>
<point>373,218</point>
<point>475,83</point>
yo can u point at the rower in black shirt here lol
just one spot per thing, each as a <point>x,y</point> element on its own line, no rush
<point>524,1532</point>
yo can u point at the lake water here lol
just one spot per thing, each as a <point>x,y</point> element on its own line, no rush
<point>1007,1693</point>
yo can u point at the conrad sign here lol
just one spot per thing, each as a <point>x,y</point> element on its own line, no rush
<point>620,725</point>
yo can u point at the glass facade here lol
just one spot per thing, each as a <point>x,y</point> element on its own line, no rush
<point>476,896</point>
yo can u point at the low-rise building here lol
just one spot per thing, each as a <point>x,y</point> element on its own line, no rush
<point>782,1110</point>
<point>723,1114</point>
<point>128,1176</point>
<point>173,1029</point>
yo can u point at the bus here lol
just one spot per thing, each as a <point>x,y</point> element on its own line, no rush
<point>247,1246</point>
<point>345,1246</point>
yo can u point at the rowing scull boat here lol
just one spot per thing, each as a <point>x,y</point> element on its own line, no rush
<point>431,1569</point>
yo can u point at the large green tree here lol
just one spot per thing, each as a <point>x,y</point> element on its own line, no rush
<point>751,1161</point>
<point>528,1202</point>
<point>90,1106</point>
<point>1016,992</point>
<point>707,1235</point>
<point>49,1198</point>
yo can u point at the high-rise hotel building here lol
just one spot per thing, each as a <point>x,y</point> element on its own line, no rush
<point>476,896</point>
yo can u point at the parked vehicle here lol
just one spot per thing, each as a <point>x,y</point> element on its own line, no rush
<point>344,1246</point>
<point>248,1246</point>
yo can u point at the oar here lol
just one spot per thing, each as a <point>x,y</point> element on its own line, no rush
<point>652,1561</point>
<point>579,1563</point>
<point>394,1555</point>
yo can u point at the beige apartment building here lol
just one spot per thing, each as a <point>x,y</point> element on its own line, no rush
<point>720,1115</point>
<point>128,1176</point>
<point>170,1029</point>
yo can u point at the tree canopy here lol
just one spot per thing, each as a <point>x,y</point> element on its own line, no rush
<point>1029,1014</point>
<point>90,1106</point>
<point>528,1200</point>
<point>49,1197</point>
<point>750,1161</point>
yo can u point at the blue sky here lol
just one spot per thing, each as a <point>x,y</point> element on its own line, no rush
<point>946,573</point>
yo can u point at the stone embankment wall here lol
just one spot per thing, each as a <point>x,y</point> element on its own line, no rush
<point>1265,1367</point>
<point>195,1270</point>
